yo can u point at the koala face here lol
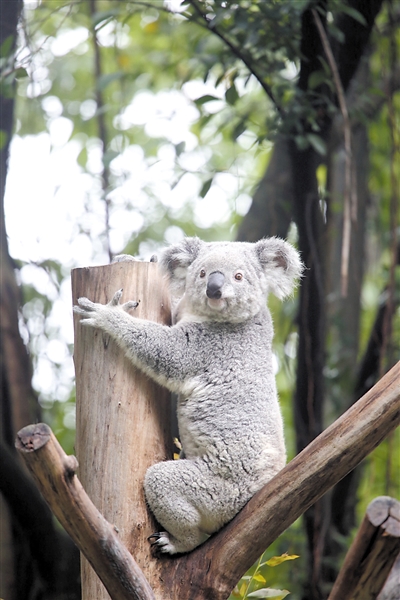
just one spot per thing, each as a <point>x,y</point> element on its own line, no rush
<point>222,285</point>
<point>229,281</point>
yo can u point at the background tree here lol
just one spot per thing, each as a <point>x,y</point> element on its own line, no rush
<point>168,119</point>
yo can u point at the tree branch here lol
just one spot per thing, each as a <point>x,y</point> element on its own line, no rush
<point>372,554</point>
<point>97,539</point>
<point>45,542</point>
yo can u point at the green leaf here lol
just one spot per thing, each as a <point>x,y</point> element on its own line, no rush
<point>7,87</point>
<point>355,14</point>
<point>108,156</point>
<point>179,148</point>
<point>231,95</point>
<point>269,593</point>
<point>105,15</point>
<point>206,187</point>
<point>6,46</point>
<point>203,99</point>
<point>21,73</point>
<point>108,78</point>
<point>3,139</point>
<point>239,129</point>
<point>83,157</point>
<point>316,78</point>
<point>302,142</point>
<point>317,143</point>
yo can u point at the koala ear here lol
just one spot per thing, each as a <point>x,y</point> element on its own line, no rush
<point>281,265</point>
<point>176,259</point>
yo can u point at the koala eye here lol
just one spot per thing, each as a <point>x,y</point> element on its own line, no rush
<point>238,276</point>
<point>202,273</point>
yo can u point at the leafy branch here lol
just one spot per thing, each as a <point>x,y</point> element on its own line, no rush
<point>210,25</point>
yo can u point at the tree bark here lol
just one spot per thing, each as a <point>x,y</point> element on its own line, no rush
<point>123,418</point>
<point>372,554</point>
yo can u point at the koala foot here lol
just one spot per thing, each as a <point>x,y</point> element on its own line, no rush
<point>124,258</point>
<point>160,543</point>
<point>129,258</point>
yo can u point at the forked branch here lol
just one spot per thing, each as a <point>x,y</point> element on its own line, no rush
<point>215,567</point>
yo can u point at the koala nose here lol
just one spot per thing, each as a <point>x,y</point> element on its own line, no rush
<point>214,284</point>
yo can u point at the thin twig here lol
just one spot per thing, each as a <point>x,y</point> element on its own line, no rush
<point>246,61</point>
<point>350,192</point>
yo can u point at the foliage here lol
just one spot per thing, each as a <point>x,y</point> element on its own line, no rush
<point>249,585</point>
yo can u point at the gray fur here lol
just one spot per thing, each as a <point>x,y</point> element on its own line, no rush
<point>218,358</point>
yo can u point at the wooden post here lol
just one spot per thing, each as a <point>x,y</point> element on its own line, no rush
<point>372,554</point>
<point>122,418</point>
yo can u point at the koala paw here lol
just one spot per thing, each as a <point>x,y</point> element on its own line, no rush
<point>94,314</point>
<point>160,543</point>
<point>124,258</point>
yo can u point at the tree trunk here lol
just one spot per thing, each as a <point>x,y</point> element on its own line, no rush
<point>123,418</point>
<point>16,393</point>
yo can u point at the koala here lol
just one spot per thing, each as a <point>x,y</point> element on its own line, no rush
<point>217,357</point>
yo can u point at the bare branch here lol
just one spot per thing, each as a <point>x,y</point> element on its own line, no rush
<point>54,473</point>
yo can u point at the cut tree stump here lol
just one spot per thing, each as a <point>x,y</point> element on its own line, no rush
<point>122,417</point>
<point>372,554</point>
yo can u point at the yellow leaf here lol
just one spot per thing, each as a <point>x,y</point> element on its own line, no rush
<point>151,27</point>
<point>123,61</point>
<point>259,577</point>
<point>177,443</point>
<point>243,588</point>
<point>277,560</point>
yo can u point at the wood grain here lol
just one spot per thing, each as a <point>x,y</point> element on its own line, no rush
<point>123,418</point>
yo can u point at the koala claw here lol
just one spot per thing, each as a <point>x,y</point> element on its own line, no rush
<point>160,543</point>
<point>124,258</point>
<point>130,304</point>
<point>116,298</point>
<point>156,535</point>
